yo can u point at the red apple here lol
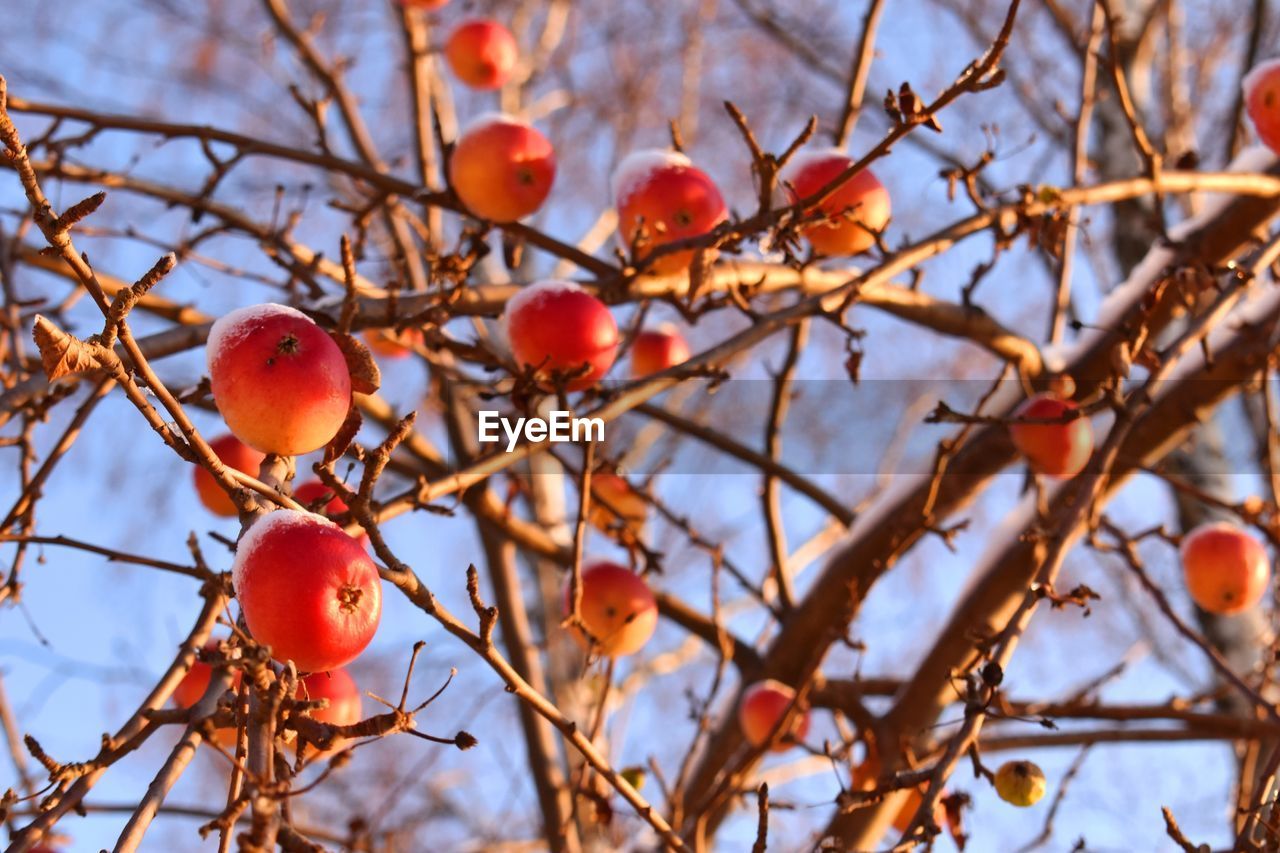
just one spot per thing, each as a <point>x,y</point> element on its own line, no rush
<point>482,53</point>
<point>656,350</point>
<point>425,4</point>
<point>1226,569</point>
<point>280,382</point>
<point>556,327</point>
<point>854,211</point>
<point>502,168</point>
<point>319,498</point>
<point>344,708</point>
<point>1057,450</point>
<point>392,344</point>
<point>662,197</point>
<point>234,454</point>
<point>1262,102</point>
<point>618,609</point>
<point>191,688</point>
<point>762,707</point>
<point>306,589</point>
<point>625,504</point>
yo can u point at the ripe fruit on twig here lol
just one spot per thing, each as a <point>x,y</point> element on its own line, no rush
<point>656,350</point>
<point>388,343</point>
<point>1226,569</point>
<point>312,492</point>
<point>856,211</point>
<point>761,708</point>
<point>1020,783</point>
<point>618,609</point>
<point>1059,449</point>
<point>1262,102</point>
<point>614,502</point>
<point>502,168</point>
<point>234,454</point>
<point>425,4</point>
<point>864,779</point>
<point>280,382</point>
<point>344,701</point>
<point>556,327</point>
<point>307,590</point>
<point>482,53</point>
<point>193,685</point>
<point>662,197</point>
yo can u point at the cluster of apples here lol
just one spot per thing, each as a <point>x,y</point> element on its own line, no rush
<point>306,588</point>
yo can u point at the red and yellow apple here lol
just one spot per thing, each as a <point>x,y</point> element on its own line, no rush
<point>344,708</point>
<point>618,609</point>
<point>191,688</point>
<point>319,498</point>
<point>306,589</point>
<point>615,502</point>
<point>1227,570</point>
<point>234,454</point>
<point>392,344</point>
<point>557,328</point>
<point>656,350</point>
<point>1054,449</point>
<point>502,168</point>
<point>425,4</point>
<point>482,53</point>
<point>855,212</point>
<point>661,198</point>
<point>1262,102</point>
<point>761,709</point>
<point>279,381</point>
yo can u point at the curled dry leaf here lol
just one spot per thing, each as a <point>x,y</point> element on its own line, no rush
<point>366,378</point>
<point>346,434</point>
<point>61,354</point>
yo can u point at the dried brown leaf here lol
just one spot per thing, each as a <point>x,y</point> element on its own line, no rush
<point>61,354</point>
<point>366,378</point>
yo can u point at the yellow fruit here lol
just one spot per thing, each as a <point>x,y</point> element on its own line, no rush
<point>1020,783</point>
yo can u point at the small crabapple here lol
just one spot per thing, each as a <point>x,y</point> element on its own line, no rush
<point>1226,569</point>
<point>624,504</point>
<point>279,381</point>
<point>306,589</point>
<point>618,609</point>
<point>1262,102</point>
<point>502,168</point>
<point>855,212</point>
<point>482,53</point>
<point>656,350</point>
<point>556,327</point>
<point>661,198</point>
<point>234,454</point>
<point>761,708</point>
<point>1055,449</point>
<point>1020,783</point>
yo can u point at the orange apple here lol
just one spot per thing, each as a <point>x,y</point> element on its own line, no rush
<point>557,327</point>
<point>864,779</point>
<point>191,688</point>
<point>625,504</point>
<point>761,708</point>
<point>1226,569</point>
<point>502,168</point>
<point>425,4</point>
<point>662,197</point>
<point>279,381</point>
<point>656,350</point>
<point>1262,102</point>
<point>855,212</point>
<point>1057,450</point>
<point>482,53</point>
<point>618,609</point>
<point>234,454</point>
<point>392,344</point>
<point>344,708</point>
